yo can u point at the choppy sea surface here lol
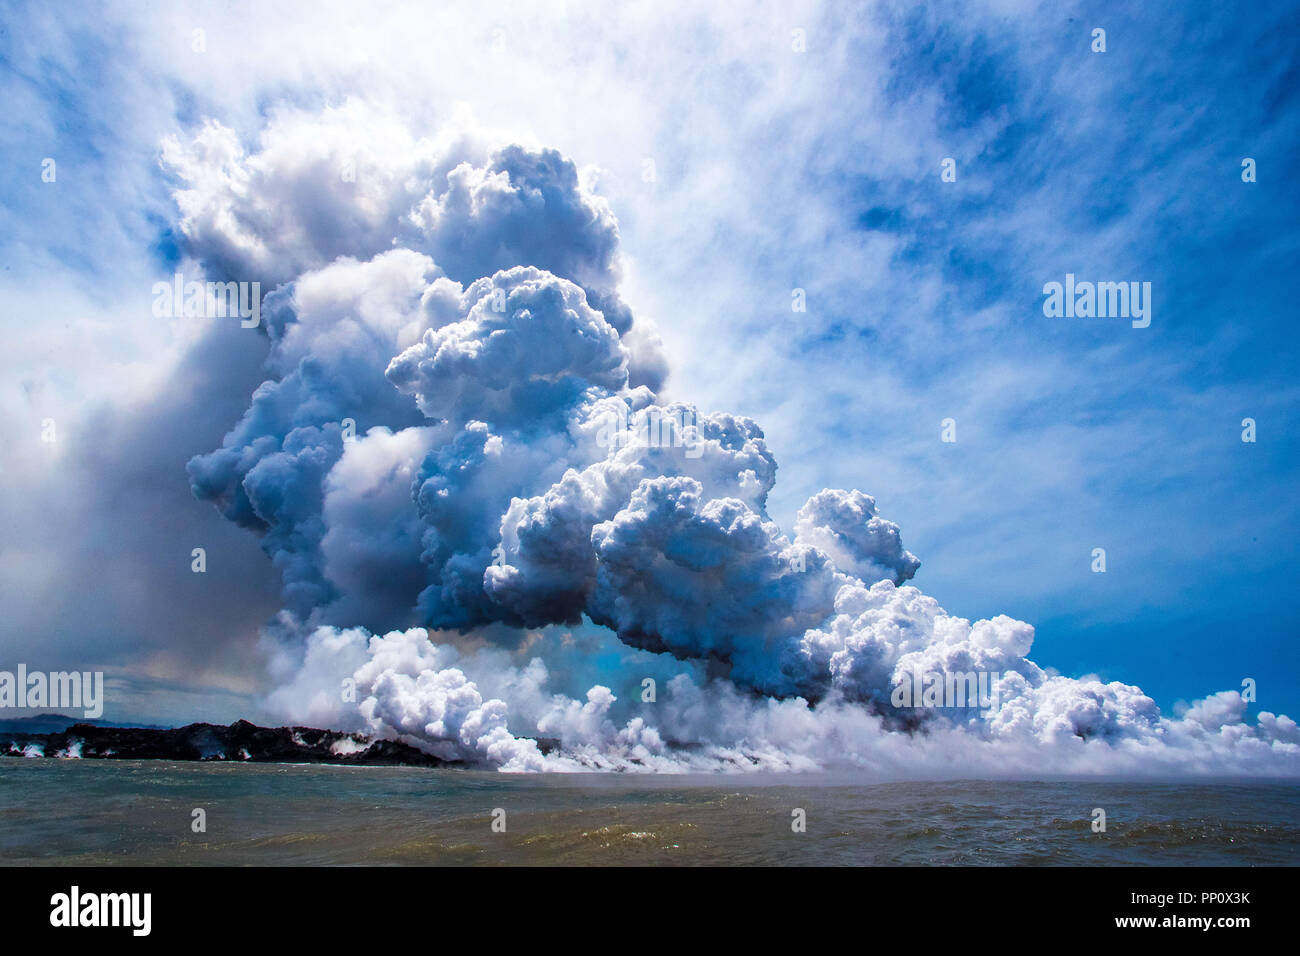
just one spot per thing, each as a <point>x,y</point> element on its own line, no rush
<point>100,812</point>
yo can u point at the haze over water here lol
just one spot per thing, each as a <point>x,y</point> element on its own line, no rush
<point>56,812</point>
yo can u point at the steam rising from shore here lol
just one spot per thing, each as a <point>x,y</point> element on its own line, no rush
<point>463,448</point>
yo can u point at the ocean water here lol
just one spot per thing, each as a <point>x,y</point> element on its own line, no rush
<point>99,812</point>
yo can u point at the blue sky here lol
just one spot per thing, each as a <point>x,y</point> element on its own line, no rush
<point>775,170</point>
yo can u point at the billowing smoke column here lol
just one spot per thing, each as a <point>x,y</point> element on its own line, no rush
<point>463,433</point>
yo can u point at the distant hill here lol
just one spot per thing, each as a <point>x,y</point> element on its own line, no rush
<point>57,723</point>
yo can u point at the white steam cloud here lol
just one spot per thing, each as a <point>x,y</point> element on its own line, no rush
<point>463,443</point>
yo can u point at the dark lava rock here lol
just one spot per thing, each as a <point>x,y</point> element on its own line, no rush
<point>241,742</point>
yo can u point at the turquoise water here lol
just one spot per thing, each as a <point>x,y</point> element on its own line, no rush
<point>140,812</point>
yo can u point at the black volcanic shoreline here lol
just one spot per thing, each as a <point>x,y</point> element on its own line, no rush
<point>241,742</point>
